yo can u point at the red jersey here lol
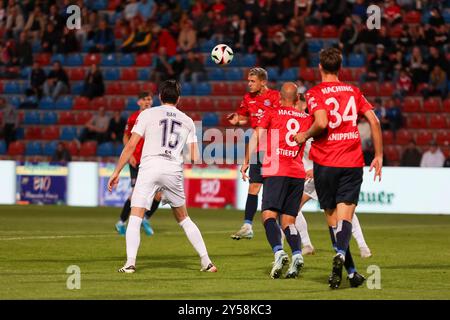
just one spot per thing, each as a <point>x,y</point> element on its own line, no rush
<point>253,106</point>
<point>284,157</point>
<point>130,124</point>
<point>340,144</point>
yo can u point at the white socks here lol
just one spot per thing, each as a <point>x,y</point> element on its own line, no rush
<point>302,227</point>
<point>133,239</point>
<point>357,232</point>
<point>195,237</point>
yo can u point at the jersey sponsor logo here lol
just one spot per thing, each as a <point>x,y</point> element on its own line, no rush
<point>344,136</point>
<point>253,101</point>
<point>291,113</point>
<point>287,153</point>
<point>258,114</point>
<point>312,102</point>
<point>336,89</point>
<point>267,102</point>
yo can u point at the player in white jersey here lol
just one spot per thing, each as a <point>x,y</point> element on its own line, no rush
<point>166,131</point>
<point>309,192</point>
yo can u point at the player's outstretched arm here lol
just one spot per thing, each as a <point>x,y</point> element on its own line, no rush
<point>320,123</point>
<point>123,160</point>
<point>377,138</point>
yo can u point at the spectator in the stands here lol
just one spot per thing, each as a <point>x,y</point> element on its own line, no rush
<point>147,9</point>
<point>433,157</point>
<point>259,42</point>
<point>37,80</point>
<point>24,51</point>
<point>10,121</point>
<point>418,67</point>
<point>394,114</point>
<point>50,38</point>
<point>55,18</point>
<point>218,6</point>
<point>68,42</point>
<point>162,69</point>
<point>441,37</point>
<point>116,128</point>
<point>411,156</point>
<point>359,11</point>
<point>437,58</point>
<point>96,128</point>
<point>381,113</point>
<point>220,27</point>
<point>57,82</point>
<point>436,19</point>
<point>377,67</point>
<point>93,83</point>
<point>385,39</point>
<point>302,8</point>
<point>403,85</point>
<point>139,38</point>
<point>36,23</point>
<point>61,153</point>
<point>164,16</point>
<point>178,64</point>
<point>131,9</point>
<point>298,51</point>
<point>348,36</point>
<point>392,12</point>
<point>164,40</point>
<point>203,24</point>
<point>194,70</point>
<point>242,37</point>
<point>89,25</point>
<point>14,21</point>
<point>277,53</point>
<point>187,38</point>
<point>103,39</point>
<point>437,85</point>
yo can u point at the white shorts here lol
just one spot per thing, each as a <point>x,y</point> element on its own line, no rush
<point>310,189</point>
<point>150,181</point>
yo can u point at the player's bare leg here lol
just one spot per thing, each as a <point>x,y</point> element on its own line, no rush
<point>251,206</point>
<point>302,227</point>
<point>133,239</point>
<point>194,236</point>
<point>273,234</point>
<point>294,240</point>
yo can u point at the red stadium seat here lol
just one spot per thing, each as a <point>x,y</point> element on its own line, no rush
<point>33,133</point>
<point>220,89</point>
<point>16,148</point>
<point>308,74</point>
<point>113,4</point>
<point>149,87</point>
<point>206,104</point>
<point>73,148</point>
<point>131,89</point>
<point>113,88</point>
<point>82,118</point>
<point>76,74</point>
<point>92,58</point>
<point>412,17</point>
<point>403,136</point>
<point>416,121</point>
<point>128,74</point>
<point>424,138</point>
<point>447,105</point>
<point>357,72</point>
<point>225,105</point>
<point>88,149</point>
<point>386,89</point>
<point>116,104</point>
<point>66,117</point>
<point>238,88</point>
<point>432,105</point>
<point>370,88</point>
<point>224,119</point>
<point>188,103</point>
<point>388,137</point>
<point>143,60</point>
<point>80,103</point>
<point>392,153</point>
<point>43,58</point>
<point>346,74</point>
<point>396,31</point>
<point>329,31</point>
<point>443,137</point>
<point>438,121</point>
<point>195,116</point>
<point>412,104</point>
<point>99,102</point>
<point>312,31</point>
<point>50,133</point>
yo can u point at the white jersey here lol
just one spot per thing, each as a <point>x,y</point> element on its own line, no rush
<point>166,131</point>
<point>307,163</point>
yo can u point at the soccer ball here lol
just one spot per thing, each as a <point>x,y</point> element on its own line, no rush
<point>222,54</point>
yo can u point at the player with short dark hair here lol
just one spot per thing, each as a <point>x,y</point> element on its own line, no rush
<point>338,157</point>
<point>259,99</point>
<point>145,101</point>
<point>284,177</point>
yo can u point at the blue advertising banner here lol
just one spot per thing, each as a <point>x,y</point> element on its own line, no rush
<point>118,196</point>
<point>41,183</point>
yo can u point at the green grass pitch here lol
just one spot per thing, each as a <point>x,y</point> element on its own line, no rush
<point>39,243</point>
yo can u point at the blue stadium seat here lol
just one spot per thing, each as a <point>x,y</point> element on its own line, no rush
<point>25,73</point>
<point>202,89</point>
<point>156,101</point>
<point>50,148</point>
<point>144,74</point>
<point>207,46</point>
<point>87,45</point>
<point>209,62</point>
<point>69,133</point>
<point>109,60</point>
<point>2,147</point>
<point>234,74</point>
<point>237,60</point>
<point>446,16</point>
<point>126,60</point>
<point>36,46</point>
<point>216,74</point>
<point>74,60</point>
<point>32,117</point>
<point>15,101</point>
<point>210,119</point>
<point>77,87</point>
<point>12,87</point>
<point>272,73</point>
<point>58,57</point>
<point>290,74</point>
<point>46,103</point>
<point>315,45</point>
<point>100,5</point>
<point>112,74</point>
<point>49,118</point>
<point>355,61</point>
<point>33,149</point>
<point>64,103</point>
<point>132,104</point>
<point>313,61</point>
<point>186,89</point>
<point>105,149</point>
<point>118,149</point>
<point>249,60</point>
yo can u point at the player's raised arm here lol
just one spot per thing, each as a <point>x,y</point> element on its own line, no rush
<point>123,160</point>
<point>375,127</point>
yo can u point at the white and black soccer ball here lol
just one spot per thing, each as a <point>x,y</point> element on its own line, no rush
<point>222,54</point>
